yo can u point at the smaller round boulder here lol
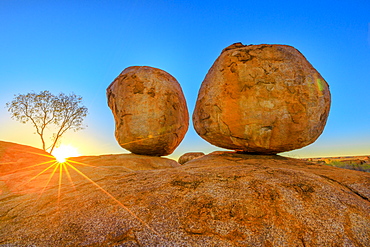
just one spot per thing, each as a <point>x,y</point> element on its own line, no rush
<point>189,156</point>
<point>149,109</point>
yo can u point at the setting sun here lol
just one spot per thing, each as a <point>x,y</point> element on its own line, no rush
<point>63,152</point>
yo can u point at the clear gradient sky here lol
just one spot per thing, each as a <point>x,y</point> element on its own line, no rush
<point>81,46</point>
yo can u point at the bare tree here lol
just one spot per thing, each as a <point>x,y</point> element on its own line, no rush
<point>44,110</point>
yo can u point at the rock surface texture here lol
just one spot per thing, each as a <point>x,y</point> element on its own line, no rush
<point>261,99</point>
<point>149,109</point>
<point>189,156</point>
<point>16,157</point>
<point>223,199</point>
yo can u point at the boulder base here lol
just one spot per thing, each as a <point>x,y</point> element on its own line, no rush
<point>261,99</point>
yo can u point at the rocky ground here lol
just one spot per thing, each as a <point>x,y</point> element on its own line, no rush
<point>221,199</point>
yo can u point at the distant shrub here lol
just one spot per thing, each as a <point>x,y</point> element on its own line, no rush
<point>358,167</point>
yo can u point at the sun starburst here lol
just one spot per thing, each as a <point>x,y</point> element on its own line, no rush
<point>63,152</point>
<point>60,163</point>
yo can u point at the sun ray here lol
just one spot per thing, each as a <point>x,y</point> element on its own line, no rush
<point>99,167</point>
<point>47,183</point>
<point>64,167</point>
<point>112,197</point>
<point>39,164</point>
<point>46,155</point>
<point>69,176</point>
<point>60,179</point>
<point>43,171</point>
<point>83,164</point>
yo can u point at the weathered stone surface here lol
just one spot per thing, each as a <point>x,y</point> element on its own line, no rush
<point>189,156</point>
<point>130,162</point>
<point>223,199</point>
<point>20,163</point>
<point>15,157</point>
<point>149,109</point>
<point>261,99</point>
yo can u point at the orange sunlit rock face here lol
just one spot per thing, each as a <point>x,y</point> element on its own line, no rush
<point>262,99</point>
<point>23,169</point>
<point>149,109</point>
<point>219,199</point>
<point>15,157</point>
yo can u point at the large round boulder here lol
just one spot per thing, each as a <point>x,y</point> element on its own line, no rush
<point>149,109</point>
<point>261,99</point>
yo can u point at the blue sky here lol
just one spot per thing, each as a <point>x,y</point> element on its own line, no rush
<point>81,46</point>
